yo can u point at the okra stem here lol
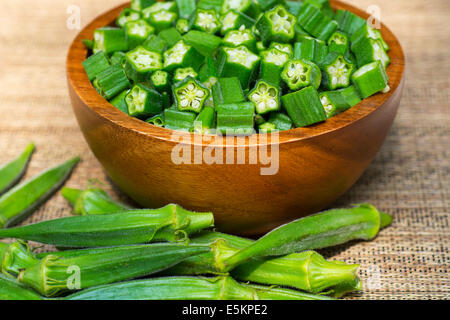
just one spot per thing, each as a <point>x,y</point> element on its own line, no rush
<point>10,289</point>
<point>15,257</point>
<point>13,171</point>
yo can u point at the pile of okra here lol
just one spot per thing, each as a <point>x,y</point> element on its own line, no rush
<point>236,66</point>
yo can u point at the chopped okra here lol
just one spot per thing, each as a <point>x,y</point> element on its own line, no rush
<point>190,95</point>
<point>236,66</point>
<point>265,96</point>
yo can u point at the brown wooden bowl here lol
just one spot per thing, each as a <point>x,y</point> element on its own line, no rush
<point>316,164</point>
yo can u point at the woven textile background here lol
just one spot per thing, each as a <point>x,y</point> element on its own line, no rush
<point>409,177</point>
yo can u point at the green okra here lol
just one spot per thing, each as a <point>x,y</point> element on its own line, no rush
<point>26,197</point>
<point>127,15</point>
<point>12,172</point>
<point>179,120</point>
<point>281,121</point>
<point>160,80</point>
<point>95,64</point>
<point>182,73</point>
<point>276,25</point>
<point>208,70</point>
<point>366,31</point>
<point>170,6</point>
<point>10,289</point>
<point>186,8</point>
<point>140,63</point>
<point>119,101</point>
<point>348,21</point>
<point>92,201</point>
<point>310,49</point>
<point>210,4</point>
<point>118,57</point>
<point>333,102</point>
<point>369,50</point>
<point>205,120</point>
<point>240,37</point>
<point>247,7</point>
<point>171,36</point>
<point>323,5</point>
<point>233,20</point>
<point>15,257</point>
<point>205,21</point>
<point>351,95</point>
<point>143,101</point>
<point>137,32</point>
<point>170,223</point>
<point>111,81</point>
<point>182,26</point>
<point>272,64</point>
<point>283,47</point>
<point>155,44</point>
<point>140,5</point>
<point>162,19</point>
<point>182,55</point>
<point>190,95</point>
<point>315,22</point>
<point>227,90</point>
<point>301,73</point>
<point>205,43</point>
<point>370,79</point>
<point>53,275</point>
<point>235,118</point>
<point>89,44</point>
<point>338,42</point>
<point>109,40</point>
<point>189,288</point>
<point>266,97</point>
<point>325,229</point>
<point>266,127</point>
<point>337,71</point>
<point>157,120</point>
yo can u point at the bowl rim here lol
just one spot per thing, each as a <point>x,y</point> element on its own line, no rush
<point>81,85</point>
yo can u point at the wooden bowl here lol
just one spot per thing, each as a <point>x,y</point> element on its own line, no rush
<point>316,164</point>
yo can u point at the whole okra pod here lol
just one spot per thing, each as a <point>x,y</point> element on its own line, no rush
<point>13,171</point>
<point>170,223</point>
<point>15,257</point>
<point>10,289</point>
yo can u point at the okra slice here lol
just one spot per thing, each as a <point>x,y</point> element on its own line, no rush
<point>155,43</point>
<point>210,4</point>
<point>233,20</point>
<point>283,47</point>
<point>281,121</point>
<point>265,96</point>
<point>95,64</point>
<point>260,46</point>
<point>162,19</point>
<point>304,107</point>
<point>276,25</point>
<point>127,15</point>
<point>109,40</point>
<point>293,6</point>
<point>311,49</point>
<point>315,22</point>
<point>369,50</point>
<point>182,55</point>
<point>236,118</point>
<point>137,32</point>
<point>119,58</point>
<point>349,22</point>
<point>248,7</point>
<point>140,63</point>
<point>205,121</point>
<point>227,90</point>
<point>241,37</point>
<point>208,70</point>
<point>178,120</point>
<point>186,8</point>
<point>160,80</point>
<point>206,21</point>
<point>323,5</point>
<point>171,36</point>
<point>190,95</point>
<point>157,120</point>
<point>183,73</point>
<point>140,5</point>
<point>238,62</point>
<point>111,82</point>
<point>205,43</point>
<point>272,64</point>
<point>143,101</point>
<point>158,6</point>
<point>119,101</point>
<point>366,31</point>
<point>336,71</point>
<point>338,42</point>
<point>266,127</point>
<point>350,95</point>
<point>370,79</point>
<point>182,25</point>
<point>333,102</point>
<point>301,73</point>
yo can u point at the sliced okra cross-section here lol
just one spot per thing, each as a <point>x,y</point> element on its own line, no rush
<point>233,20</point>
<point>157,120</point>
<point>276,25</point>
<point>235,118</point>
<point>301,73</point>
<point>333,102</point>
<point>159,6</point>
<point>247,7</point>
<point>111,81</point>
<point>304,107</point>
<point>370,79</point>
<point>272,64</point>
<point>160,80</point>
<point>315,22</point>
<point>338,42</point>
<point>137,32</point>
<point>336,71</point>
<point>182,26</point>
<point>369,50</point>
<point>266,127</point>
<point>265,96</point>
<point>162,19</point>
<point>283,47</point>
<point>127,15</point>
<point>238,62</point>
<point>241,37</point>
<point>140,62</point>
<point>182,55</point>
<point>281,121</point>
<point>190,95</point>
<point>206,21</point>
<point>143,101</point>
<point>182,73</point>
<point>109,40</point>
<point>179,120</point>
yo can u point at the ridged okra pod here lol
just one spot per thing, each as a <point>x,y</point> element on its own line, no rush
<point>189,288</point>
<point>170,223</point>
<point>10,289</point>
<point>15,257</point>
<point>24,198</point>
<point>13,171</point>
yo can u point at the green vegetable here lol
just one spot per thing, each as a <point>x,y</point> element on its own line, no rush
<point>140,63</point>
<point>170,36</point>
<point>210,4</point>
<point>92,201</point>
<point>266,127</point>
<point>55,274</point>
<point>227,90</point>
<point>12,172</point>
<point>366,31</point>
<point>323,5</point>
<point>15,257</point>
<point>119,101</point>
<point>301,73</point>
<point>205,43</point>
<point>186,8</point>
<point>189,288</point>
<point>127,15</point>
<point>370,79</point>
<point>89,44</point>
<point>162,19</point>
<point>143,101</point>
<point>205,120</point>
<point>310,49</point>
<point>236,118</point>
<point>233,20</point>
<point>10,289</point>
<point>277,25</point>
<point>140,5</point>
<point>137,32</point>
<point>205,20</point>
<point>112,81</point>
<point>315,22</point>
<point>349,22</point>
<point>272,64</point>
<point>160,81</point>
<point>336,71</point>
<point>182,26</point>
<point>333,102</point>
<point>155,44</point>
<point>118,57</point>
<point>248,7</point>
<point>241,37</point>
<point>182,55</point>
<point>280,120</point>
<point>160,6</point>
<point>183,73</point>
<point>265,96</point>
<point>368,50</point>
<point>304,107</point>
<point>157,120</point>
<point>350,95</point>
<point>338,42</point>
<point>170,223</point>
<point>24,198</point>
<point>179,120</point>
<point>190,95</point>
<point>283,47</point>
<point>109,40</point>
<point>95,64</point>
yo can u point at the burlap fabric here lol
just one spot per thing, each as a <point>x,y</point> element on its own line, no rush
<point>409,177</point>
